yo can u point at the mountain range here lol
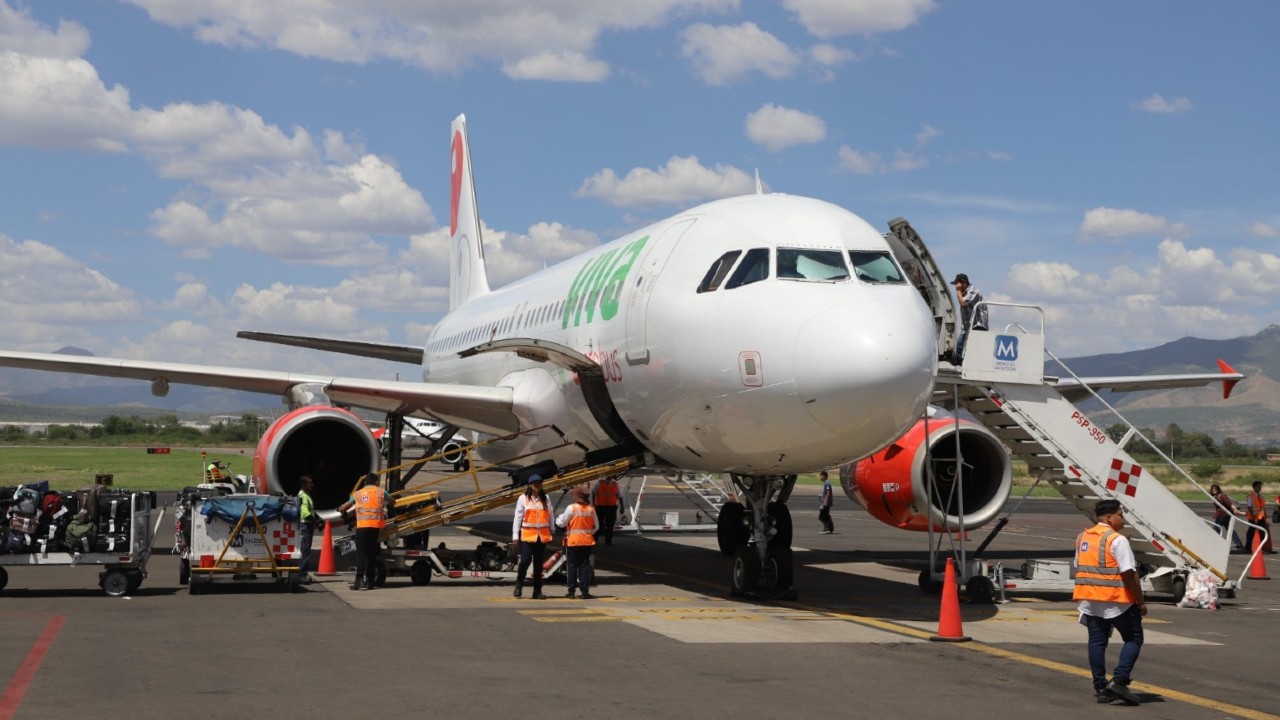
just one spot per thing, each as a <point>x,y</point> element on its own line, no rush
<point>1251,416</point>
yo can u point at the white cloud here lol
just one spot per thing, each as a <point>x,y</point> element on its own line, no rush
<point>777,127</point>
<point>527,40</point>
<point>21,34</point>
<point>253,184</point>
<point>509,255</point>
<point>1114,223</point>
<point>831,18</point>
<point>826,54</point>
<point>725,54</point>
<point>1157,104</point>
<point>866,163</point>
<point>1261,229</point>
<point>683,180</point>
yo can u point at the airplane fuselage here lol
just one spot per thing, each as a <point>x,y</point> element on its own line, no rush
<point>787,362</point>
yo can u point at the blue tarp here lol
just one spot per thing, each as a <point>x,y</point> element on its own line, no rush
<point>267,507</point>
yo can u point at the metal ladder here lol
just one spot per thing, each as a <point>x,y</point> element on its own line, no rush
<point>1064,448</point>
<point>702,489</point>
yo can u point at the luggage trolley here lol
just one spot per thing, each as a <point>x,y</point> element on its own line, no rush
<point>120,542</point>
<point>247,538</point>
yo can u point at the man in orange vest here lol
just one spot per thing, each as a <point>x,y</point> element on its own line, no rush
<point>606,497</point>
<point>371,504</point>
<point>1109,597</point>
<point>1256,513</point>
<point>531,528</point>
<point>580,523</point>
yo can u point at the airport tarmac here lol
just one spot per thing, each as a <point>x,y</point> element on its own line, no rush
<point>663,640</point>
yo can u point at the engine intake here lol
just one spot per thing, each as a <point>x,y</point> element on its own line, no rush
<point>893,484</point>
<point>330,444</point>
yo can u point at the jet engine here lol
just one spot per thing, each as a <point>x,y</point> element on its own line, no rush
<point>330,444</point>
<point>892,483</point>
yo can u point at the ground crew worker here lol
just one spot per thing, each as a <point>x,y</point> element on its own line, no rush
<point>1256,513</point>
<point>1109,597</point>
<point>213,473</point>
<point>824,505</point>
<point>581,524</point>
<point>308,521</point>
<point>531,528</point>
<point>606,496</point>
<point>371,504</point>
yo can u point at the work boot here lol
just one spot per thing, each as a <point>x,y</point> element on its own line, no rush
<point>1104,696</point>
<point>588,596</point>
<point>357,585</point>
<point>1120,688</point>
<point>569,594</point>
<point>518,591</point>
<point>537,595</point>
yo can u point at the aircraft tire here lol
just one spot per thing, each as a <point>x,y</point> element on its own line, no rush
<point>746,571</point>
<point>731,532</point>
<point>779,568</point>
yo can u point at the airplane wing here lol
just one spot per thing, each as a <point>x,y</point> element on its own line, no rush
<point>378,351</point>
<point>487,409</point>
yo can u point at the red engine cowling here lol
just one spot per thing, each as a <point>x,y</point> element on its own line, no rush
<point>330,444</point>
<point>891,484</point>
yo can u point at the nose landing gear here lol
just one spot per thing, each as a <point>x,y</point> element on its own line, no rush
<point>759,537</point>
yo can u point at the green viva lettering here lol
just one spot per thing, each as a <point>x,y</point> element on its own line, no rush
<point>599,285</point>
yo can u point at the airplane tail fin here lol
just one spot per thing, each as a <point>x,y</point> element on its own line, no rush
<point>468,276</point>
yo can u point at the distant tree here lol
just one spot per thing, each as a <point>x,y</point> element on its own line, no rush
<point>1116,431</point>
<point>1207,470</point>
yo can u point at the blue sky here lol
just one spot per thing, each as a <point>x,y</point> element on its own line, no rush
<point>177,171</point>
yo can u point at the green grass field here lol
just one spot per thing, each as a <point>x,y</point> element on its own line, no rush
<point>70,468</point>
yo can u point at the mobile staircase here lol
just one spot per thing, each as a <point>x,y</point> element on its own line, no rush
<point>1002,384</point>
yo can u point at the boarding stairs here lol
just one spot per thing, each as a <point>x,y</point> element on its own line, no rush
<point>1002,385</point>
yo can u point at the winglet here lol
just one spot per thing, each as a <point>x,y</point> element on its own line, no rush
<point>468,276</point>
<point>1227,385</point>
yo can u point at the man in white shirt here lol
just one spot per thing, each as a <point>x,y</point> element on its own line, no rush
<point>1110,596</point>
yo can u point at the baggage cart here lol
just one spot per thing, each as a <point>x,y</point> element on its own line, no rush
<point>121,545</point>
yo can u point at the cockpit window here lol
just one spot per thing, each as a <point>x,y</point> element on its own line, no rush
<point>806,264</point>
<point>717,272</point>
<point>753,268</point>
<point>875,266</point>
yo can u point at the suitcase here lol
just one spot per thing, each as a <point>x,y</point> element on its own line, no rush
<point>114,505</point>
<point>111,542</point>
<point>113,526</point>
<point>24,523</point>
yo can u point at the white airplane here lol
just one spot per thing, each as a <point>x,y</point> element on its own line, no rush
<point>760,336</point>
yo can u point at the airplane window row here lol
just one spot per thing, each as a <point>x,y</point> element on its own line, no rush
<point>876,266</point>
<point>488,331</point>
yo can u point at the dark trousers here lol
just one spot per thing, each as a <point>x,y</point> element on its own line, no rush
<point>825,516</point>
<point>1248,538</point>
<point>1130,626</point>
<point>535,553</point>
<point>608,515</point>
<point>578,567</point>
<point>306,532</point>
<point>366,555</point>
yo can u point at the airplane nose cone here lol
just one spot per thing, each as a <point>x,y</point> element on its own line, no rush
<point>866,372</point>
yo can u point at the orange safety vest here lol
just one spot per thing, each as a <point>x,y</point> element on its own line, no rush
<point>1097,572</point>
<point>535,526</point>
<point>580,531</point>
<point>371,510</point>
<point>1257,510</point>
<point>607,492</point>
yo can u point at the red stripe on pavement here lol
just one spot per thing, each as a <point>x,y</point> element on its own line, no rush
<point>17,687</point>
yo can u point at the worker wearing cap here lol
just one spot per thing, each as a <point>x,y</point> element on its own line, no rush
<point>580,523</point>
<point>1109,596</point>
<point>606,496</point>
<point>531,528</point>
<point>973,313</point>
<point>371,504</point>
<point>213,473</point>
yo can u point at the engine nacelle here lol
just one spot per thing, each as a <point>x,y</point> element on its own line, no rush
<point>330,444</point>
<point>892,483</point>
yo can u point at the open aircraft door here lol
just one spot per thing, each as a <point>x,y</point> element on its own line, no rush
<point>638,302</point>
<point>923,273</point>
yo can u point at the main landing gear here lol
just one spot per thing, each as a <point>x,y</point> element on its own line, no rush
<point>758,536</point>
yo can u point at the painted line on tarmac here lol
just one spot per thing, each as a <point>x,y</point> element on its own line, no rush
<point>891,627</point>
<point>17,687</point>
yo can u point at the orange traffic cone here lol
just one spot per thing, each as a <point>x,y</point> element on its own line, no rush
<point>949,629</point>
<point>326,553</point>
<point>1257,568</point>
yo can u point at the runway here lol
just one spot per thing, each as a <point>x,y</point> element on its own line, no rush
<point>664,639</point>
